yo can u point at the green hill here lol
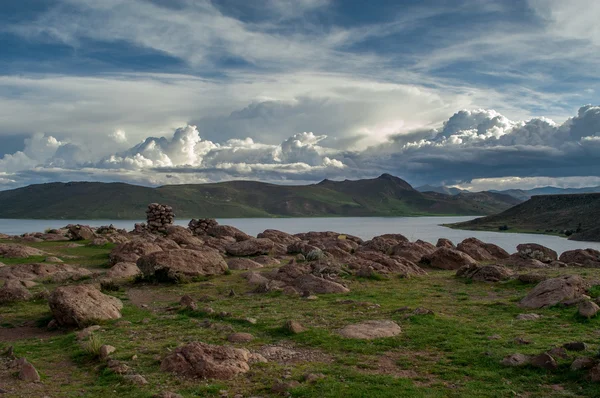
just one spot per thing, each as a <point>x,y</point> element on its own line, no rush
<point>382,196</point>
<point>573,215</point>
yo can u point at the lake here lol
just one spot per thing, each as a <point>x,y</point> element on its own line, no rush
<point>425,228</point>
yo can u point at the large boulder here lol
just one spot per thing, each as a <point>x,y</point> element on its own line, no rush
<point>384,264</point>
<point>181,264</point>
<point>278,236</point>
<point>222,231</point>
<point>56,272</point>
<point>517,261</point>
<point>443,242</point>
<point>314,284</point>
<point>242,263</point>
<point>371,330</point>
<point>81,232</point>
<point>205,361</point>
<point>384,243</point>
<point>123,271</point>
<point>485,273</point>
<point>587,258</point>
<point>450,259</point>
<point>413,251</point>
<point>13,290</point>
<point>13,250</point>
<point>183,236</point>
<point>315,237</point>
<point>554,291</point>
<point>537,252</point>
<point>129,252</point>
<point>250,247</point>
<point>82,305</point>
<point>481,251</point>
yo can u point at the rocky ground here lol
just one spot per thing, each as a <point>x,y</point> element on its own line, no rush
<point>213,312</point>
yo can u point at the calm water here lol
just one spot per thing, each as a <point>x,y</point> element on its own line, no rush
<point>425,228</point>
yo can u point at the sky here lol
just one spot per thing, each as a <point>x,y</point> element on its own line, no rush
<point>471,93</point>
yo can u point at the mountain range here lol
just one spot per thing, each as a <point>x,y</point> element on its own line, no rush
<point>521,194</point>
<point>382,196</point>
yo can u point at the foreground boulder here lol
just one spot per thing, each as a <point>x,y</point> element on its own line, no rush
<point>250,247</point>
<point>242,264</point>
<point>587,258</point>
<point>81,305</point>
<point>131,251</point>
<point>314,284</point>
<point>450,259</point>
<point>413,251</point>
<point>371,330</point>
<point>56,272</point>
<point>123,271</point>
<point>12,291</point>
<point>485,273</point>
<point>205,361</point>
<point>536,252</point>
<point>481,251</point>
<point>13,250</point>
<point>554,291</point>
<point>182,263</point>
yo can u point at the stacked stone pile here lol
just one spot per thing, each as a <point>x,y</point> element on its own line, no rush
<point>200,226</point>
<point>159,217</point>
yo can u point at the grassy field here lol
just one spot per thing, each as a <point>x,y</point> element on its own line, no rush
<point>450,353</point>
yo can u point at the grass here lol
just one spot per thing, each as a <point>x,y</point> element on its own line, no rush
<point>447,354</point>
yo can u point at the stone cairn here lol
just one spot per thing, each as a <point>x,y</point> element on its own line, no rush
<point>159,217</point>
<point>199,227</point>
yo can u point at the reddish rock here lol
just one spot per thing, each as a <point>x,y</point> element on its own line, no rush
<point>131,251</point>
<point>413,251</point>
<point>242,264</point>
<point>517,261</point>
<point>278,236</point>
<point>13,250</point>
<point>81,232</point>
<point>250,247</point>
<point>240,337</point>
<point>123,271</point>
<point>317,285</point>
<point>200,360</point>
<point>554,291</point>
<point>371,330</point>
<point>13,290</point>
<point>443,242</point>
<point>223,231</point>
<point>587,258</point>
<point>182,263</point>
<point>450,259</point>
<point>484,273</point>
<point>80,305</point>
<point>536,252</point>
<point>28,373</point>
<point>384,243</point>
<point>481,251</point>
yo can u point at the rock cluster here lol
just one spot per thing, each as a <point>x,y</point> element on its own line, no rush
<point>159,217</point>
<point>202,225</point>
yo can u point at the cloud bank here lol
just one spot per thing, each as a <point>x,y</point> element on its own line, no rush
<point>477,147</point>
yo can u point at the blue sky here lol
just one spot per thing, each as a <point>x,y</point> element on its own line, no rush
<point>296,91</point>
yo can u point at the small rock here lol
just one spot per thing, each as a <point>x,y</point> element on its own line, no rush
<point>240,338</point>
<point>522,341</point>
<point>293,327</point>
<point>583,363</point>
<point>588,309</point>
<point>87,332</point>
<point>208,310</point>
<point>134,357</point>
<point>136,379</point>
<point>528,317</point>
<point>146,320</point>
<point>544,361</point>
<point>188,302</point>
<point>313,377</point>
<point>595,374</point>
<point>576,346</point>
<point>422,311</point>
<point>251,321</point>
<point>106,350</point>
<point>515,360</point>
<point>117,367</point>
<point>257,358</point>
<point>28,373</point>
<point>494,337</point>
<point>52,259</point>
<point>283,387</point>
<point>559,352</point>
<point>167,394</point>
